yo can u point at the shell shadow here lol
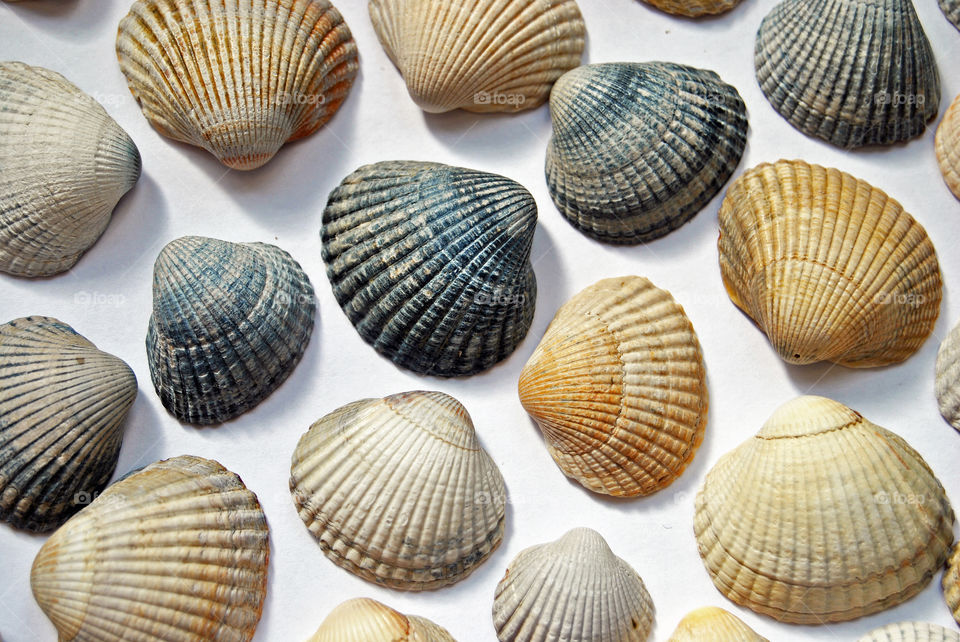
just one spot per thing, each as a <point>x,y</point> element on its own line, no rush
<point>490,135</point>
<point>144,440</point>
<point>50,16</point>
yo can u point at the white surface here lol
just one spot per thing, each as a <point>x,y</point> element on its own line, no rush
<point>186,191</point>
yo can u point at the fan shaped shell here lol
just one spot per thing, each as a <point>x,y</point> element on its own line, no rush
<point>713,624</point>
<point>366,620</point>
<point>694,8</point>
<point>951,9</point>
<point>911,632</point>
<point>951,583</point>
<point>948,377</point>
<point>948,145</point>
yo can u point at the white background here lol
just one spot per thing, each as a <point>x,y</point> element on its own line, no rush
<point>184,190</point>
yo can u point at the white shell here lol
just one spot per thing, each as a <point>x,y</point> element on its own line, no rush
<point>366,620</point>
<point>911,632</point>
<point>948,377</point>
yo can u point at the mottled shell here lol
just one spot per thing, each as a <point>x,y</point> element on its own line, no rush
<point>951,583</point>
<point>951,9</point>
<point>829,267</point>
<point>230,322</point>
<point>639,148</point>
<point>480,55</point>
<point>852,72</point>
<point>948,378</point>
<point>62,406</point>
<point>911,632</point>
<point>713,624</point>
<point>65,164</point>
<point>399,491</point>
<point>176,552</point>
<point>431,263</point>
<point>694,8</point>
<point>238,78</point>
<point>822,517</point>
<point>618,387</point>
<point>366,620</point>
<point>573,589</point>
<point>948,145</point>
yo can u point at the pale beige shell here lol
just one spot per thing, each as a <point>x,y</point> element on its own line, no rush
<point>948,146</point>
<point>694,8</point>
<point>951,583</point>
<point>712,624</point>
<point>911,632</point>
<point>947,384</point>
<point>366,620</point>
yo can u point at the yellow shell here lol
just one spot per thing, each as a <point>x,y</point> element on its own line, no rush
<point>951,583</point>
<point>366,620</point>
<point>693,8</point>
<point>713,624</point>
<point>948,146</point>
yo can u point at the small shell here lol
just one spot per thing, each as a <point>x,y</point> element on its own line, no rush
<point>65,164</point>
<point>431,263</point>
<point>399,491</point>
<point>829,267</point>
<point>480,55</point>
<point>948,378</point>
<point>366,620</point>
<point>951,583</point>
<point>951,9</point>
<point>639,148</point>
<point>175,552</point>
<point>238,78</point>
<point>793,526</point>
<point>618,387</point>
<point>573,589</point>
<point>911,632</point>
<point>948,145</point>
<point>230,322</point>
<point>852,72</point>
<point>714,624</point>
<point>62,404</point>
<point>694,8</point>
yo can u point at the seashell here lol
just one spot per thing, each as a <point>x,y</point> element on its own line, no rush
<point>951,583</point>
<point>399,491</point>
<point>789,524</point>
<point>948,378</point>
<point>639,148</point>
<point>480,55</point>
<point>176,551</point>
<point>951,9</point>
<point>694,8</point>
<point>230,322</point>
<point>65,163</point>
<point>366,620</point>
<point>573,589</point>
<point>237,78</point>
<point>713,624</point>
<point>851,72</point>
<point>618,387</point>
<point>948,145</point>
<point>62,404</point>
<point>911,632</point>
<point>829,267</point>
<point>431,263</point>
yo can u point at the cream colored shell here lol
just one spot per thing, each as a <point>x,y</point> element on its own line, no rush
<point>947,143</point>
<point>694,8</point>
<point>911,632</point>
<point>712,624</point>
<point>951,583</point>
<point>366,620</point>
<point>947,384</point>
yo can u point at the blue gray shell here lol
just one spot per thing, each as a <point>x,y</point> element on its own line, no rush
<point>431,263</point>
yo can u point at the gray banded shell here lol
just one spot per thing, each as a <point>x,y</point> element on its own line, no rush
<point>64,165</point>
<point>431,263</point>
<point>639,148</point>
<point>62,406</point>
<point>230,322</point>
<point>951,9</point>
<point>852,72</point>
<point>948,377</point>
<point>911,632</point>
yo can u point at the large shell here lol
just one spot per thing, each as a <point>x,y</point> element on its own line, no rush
<point>366,620</point>
<point>238,78</point>
<point>694,8</point>
<point>831,268</point>
<point>639,148</point>
<point>230,322</point>
<point>911,632</point>
<point>618,387</point>
<point>822,517</point>
<point>399,491</point>
<point>573,589</point>
<point>480,55</point>
<point>62,404</point>
<point>176,552</point>
<point>948,377</point>
<point>65,164</point>
<point>948,146</point>
<point>431,263</point>
<point>951,583</point>
<point>713,624</point>
<point>852,72</point>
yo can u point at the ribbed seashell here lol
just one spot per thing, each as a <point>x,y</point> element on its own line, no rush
<point>639,148</point>
<point>694,8</point>
<point>480,55</point>
<point>230,322</point>
<point>618,387</point>
<point>829,267</point>
<point>62,406</point>
<point>65,164</point>
<point>948,146</point>
<point>713,624</point>
<point>431,263</point>
<point>822,517</point>
<point>238,78</point>
<point>911,632</point>
<point>852,72</point>
<point>948,378</point>
<point>951,583</point>
<point>399,491</point>
<point>176,552</point>
<point>366,620</point>
<point>573,589</point>
<point>951,9</point>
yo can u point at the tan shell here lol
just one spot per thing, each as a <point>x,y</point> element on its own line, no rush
<point>618,387</point>
<point>791,524</point>
<point>951,583</point>
<point>831,268</point>
<point>911,632</point>
<point>948,146</point>
<point>694,8</point>
<point>713,624</point>
<point>366,620</point>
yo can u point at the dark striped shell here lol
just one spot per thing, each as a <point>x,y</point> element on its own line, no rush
<point>951,9</point>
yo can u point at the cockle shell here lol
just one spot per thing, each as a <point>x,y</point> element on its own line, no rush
<point>822,517</point>
<point>573,589</point>
<point>948,145</point>
<point>480,55</point>
<point>948,378</point>
<point>366,620</point>
<point>238,78</point>
<point>694,8</point>
<point>65,164</point>
<point>618,387</point>
<point>911,632</point>
<point>852,72</point>
<point>230,322</point>
<point>176,552</point>
<point>951,9</point>
<point>431,263</point>
<point>399,491</point>
<point>639,148</point>
<point>829,267</point>
<point>951,583</point>
<point>62,406</point>
<point>713,624</point>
